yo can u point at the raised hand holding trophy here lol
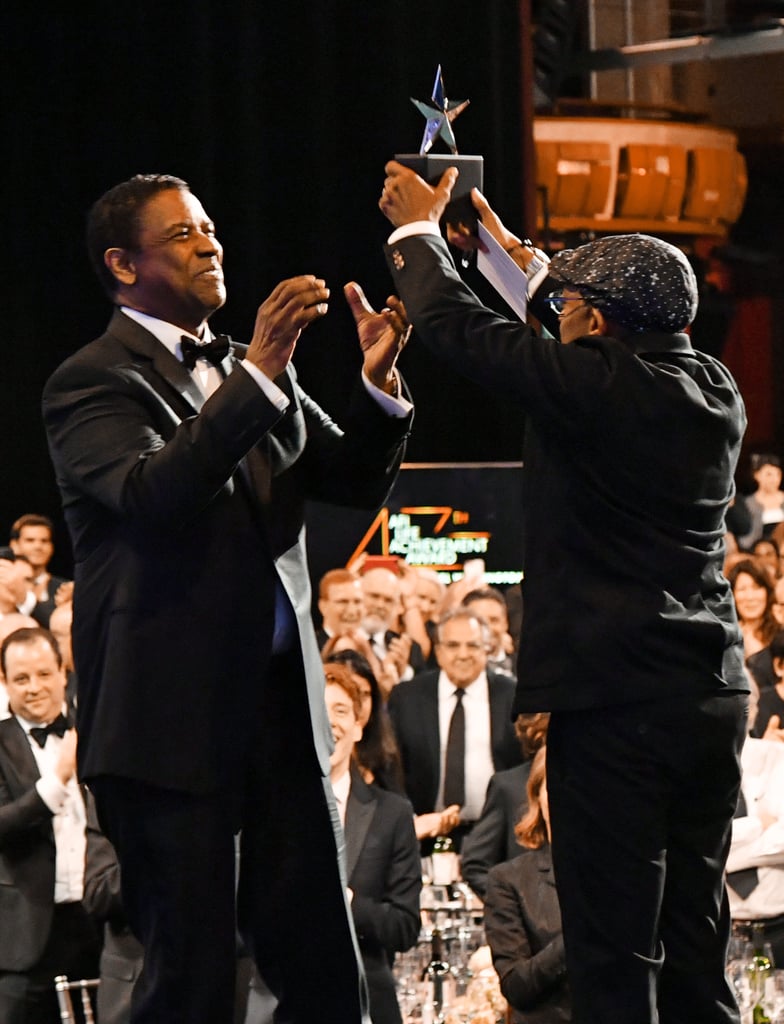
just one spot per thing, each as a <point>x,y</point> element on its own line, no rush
<point>431,166</point>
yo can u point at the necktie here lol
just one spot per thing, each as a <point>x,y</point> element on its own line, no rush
<point>745,881</point>
<point>214,351</point>
<point>454,767</point>
<point>58,727</point>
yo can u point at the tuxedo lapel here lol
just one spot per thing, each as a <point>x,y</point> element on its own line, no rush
<point>360,809</point>
<point>165,368</point>
<point>20,768</point>
<point>432,734</point>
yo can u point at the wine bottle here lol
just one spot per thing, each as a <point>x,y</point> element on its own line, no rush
<point>444,860</point>
<point>438,979</point>
<point>759,972</point>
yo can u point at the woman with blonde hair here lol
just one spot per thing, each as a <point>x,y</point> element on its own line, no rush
<point>523,918</point>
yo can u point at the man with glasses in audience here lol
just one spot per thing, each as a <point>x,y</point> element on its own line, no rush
<point>630,637</point>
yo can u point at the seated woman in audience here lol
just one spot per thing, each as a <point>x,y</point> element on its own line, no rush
<point>766,505</point>
<point>752,589</point>
<point>523,918</point>
<point>766,552</point>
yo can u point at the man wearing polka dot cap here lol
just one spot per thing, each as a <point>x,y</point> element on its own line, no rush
<point>630,638</point>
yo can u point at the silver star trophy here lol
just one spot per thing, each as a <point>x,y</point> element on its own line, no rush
<point>430,166</point>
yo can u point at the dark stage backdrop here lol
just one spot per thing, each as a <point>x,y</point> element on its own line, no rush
<point>281,116</point>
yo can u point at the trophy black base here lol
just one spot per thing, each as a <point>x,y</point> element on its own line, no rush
<point>431,166</point>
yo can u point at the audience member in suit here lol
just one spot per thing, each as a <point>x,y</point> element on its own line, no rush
<point>422,712</point>
<point>122,955</point>
<point>489,604</point>
<point>755,866</point>
<point>184,464</point>
<point>382,601</point>
<point>44,928</point>
<point>15,576</point>
<point>382,854</point>
<point>60,623</point>
<point>32,536</point>
<point>523,918</point>
<point>16,581</point>
<point>376,753</point>
<point>429,593</point>
<point>339,604</point>
<point>493,838</point>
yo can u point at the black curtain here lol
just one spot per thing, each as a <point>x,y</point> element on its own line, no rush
<point>281,117</point>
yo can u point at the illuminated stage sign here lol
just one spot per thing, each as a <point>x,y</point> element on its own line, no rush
<point>439,515</point>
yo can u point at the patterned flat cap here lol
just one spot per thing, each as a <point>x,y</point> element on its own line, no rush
<point>638,281</point>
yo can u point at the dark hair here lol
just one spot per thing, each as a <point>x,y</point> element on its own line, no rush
<point>760,459</point>
<point>485,594</point>
<point>113,220</point>
<point>777,645</point>
<point>761,577</point>
<point>29,635</point>
<point>531,731</point>
<point>377,751</point>
<point>31,519</point>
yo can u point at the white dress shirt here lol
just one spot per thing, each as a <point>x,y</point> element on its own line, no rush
<point>341,788</point>
<point>753,844</point>
<point>69,821</point>
<point>209,377</point>
<point>478,741</point>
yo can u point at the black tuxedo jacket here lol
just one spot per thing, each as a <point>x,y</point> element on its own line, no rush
<point>385,874</point>
<point>183,513</point>
<point>629,456</point>
<point>523,927</point>
<point>27,854</point>
<point>413,709</point>
<point>43,609</point>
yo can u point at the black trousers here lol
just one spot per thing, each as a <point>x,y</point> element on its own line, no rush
<point>73,948</point>
<point>177,859</point>
<point>641,804</point>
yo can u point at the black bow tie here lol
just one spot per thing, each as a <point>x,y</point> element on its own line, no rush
<point>214,351</point>
<point>59,727</point>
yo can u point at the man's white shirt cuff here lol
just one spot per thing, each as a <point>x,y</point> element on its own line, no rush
<point>397,407</point>
<point>269,387</point>
<point>416,227</point>
<point>52,792</point>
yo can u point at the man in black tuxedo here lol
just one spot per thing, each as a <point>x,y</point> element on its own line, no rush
<point>631,442</point>
<point>382,607</point>
<point>44,929</point>
<point>32,536</point>
<point>423,711</point>
<point>382,854</point>
<point>184,463</point>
